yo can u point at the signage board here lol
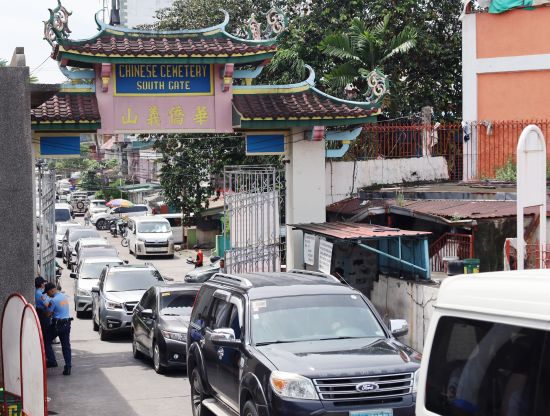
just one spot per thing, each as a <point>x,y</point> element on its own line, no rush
<point>265,144</point>
<point>325,256</point>
<point>309,249</point>
<point>63,146</point>
<point>163,79</point>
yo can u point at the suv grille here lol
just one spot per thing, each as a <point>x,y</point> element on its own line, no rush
<point>130,306</point>
<point>157,244</point>
<point>378,389</point>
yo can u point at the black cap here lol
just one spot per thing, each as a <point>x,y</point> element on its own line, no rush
<point>49,286</point>
<point>38,281</point>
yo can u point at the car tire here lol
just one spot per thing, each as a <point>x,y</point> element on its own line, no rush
<point>80,314</point>
<point>103,335</point>
<point>159,369</point>
<point>171,256</point>
<point>135,352</point>
<point>249,409</point>
<point>95,326</point>
<point>100,224</point>
<point>198,394</point>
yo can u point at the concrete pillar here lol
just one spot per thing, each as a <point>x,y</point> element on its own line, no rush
<point>305,191</point>
<point>17,222</point>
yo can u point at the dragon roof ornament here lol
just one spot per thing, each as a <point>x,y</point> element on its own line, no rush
<point>57,26</point>
<point>276,23</point>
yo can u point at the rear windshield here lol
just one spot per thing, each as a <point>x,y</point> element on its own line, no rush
<point>489,369</point>
<point>123,281</point>
<point>78,234</point>
<point>86,252</point>
<point>62,214</point>
<point>93,270</point>
<point>176,303</point>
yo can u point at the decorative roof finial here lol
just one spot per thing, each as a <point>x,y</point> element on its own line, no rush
<point>276,23</point>
<point>378,86</point>
<point>57,26</point>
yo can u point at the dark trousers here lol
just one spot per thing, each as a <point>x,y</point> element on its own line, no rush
<point>63,331</point>
<point>45,324</point>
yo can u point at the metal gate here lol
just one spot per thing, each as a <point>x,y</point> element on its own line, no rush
<point>46,190</point>
<point>252,203</point>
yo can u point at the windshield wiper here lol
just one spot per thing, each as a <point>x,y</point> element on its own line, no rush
<point>284,341</point>
<point>170,314</point>
<point>331,338</point>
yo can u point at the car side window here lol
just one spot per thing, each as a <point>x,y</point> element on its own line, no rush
<point>147,301</point>
<point>219,314</point>
<point>200,310</point>
<point>234,321</point>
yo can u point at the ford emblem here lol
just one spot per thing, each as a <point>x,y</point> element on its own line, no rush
<point>366,387</point>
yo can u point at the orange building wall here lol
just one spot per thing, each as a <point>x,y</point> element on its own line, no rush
<point>514,33</point>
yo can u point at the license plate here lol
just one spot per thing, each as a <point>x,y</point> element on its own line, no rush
<point>156,249</point>
<point>377,412</point>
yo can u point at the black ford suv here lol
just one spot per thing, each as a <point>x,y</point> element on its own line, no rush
<point>293,344</point>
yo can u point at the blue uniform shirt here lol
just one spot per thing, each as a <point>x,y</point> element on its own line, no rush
<point>59,306</point>
<point>40,299</point>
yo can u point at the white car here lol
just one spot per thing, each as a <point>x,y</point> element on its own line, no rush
<point>100,220</point>
<point>97,206</point>
<point>60,230</point>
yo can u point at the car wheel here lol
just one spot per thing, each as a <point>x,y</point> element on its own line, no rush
<point>103,335</point>
<point>63,258</point>
<point>249,409</point>
<point>80,314</point>
<point>135,352</point>
<point>94,324</point>
<point>159,369</point>
<point>135,253</point>
<point>100,224</point>
<point>197,394</point>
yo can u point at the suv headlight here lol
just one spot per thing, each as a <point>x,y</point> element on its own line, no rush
<point>292,386</point>
<point>109,304</point>
<point>415,380</point>
<point>83,292</point>
<point>175,336</point>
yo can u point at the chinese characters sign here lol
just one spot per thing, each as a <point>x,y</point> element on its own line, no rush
<point>163,79</point>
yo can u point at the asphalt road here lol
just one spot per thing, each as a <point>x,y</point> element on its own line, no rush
<point>106,379</point>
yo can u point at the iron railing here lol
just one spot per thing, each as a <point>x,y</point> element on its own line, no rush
<point>450,245</point>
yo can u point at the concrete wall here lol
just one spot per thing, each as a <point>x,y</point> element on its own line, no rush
<point>341,180</point>
<point>403,299</point>
<point>358,266</point>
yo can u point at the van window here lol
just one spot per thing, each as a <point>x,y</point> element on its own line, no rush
<point>487,368</point>
<point>137,209</point>
<point>62,215</point>
<point>175,222</point>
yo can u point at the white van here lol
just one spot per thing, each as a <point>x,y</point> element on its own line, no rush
<point>150,236</point>
<point>487,351</point>
<point>176,222</point>
<point>63,212</point>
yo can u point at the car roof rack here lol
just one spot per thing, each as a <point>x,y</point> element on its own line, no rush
<point>314,273</point>
<point>233,280</point>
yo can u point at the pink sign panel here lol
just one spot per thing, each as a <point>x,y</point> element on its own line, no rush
<point>164,112</point>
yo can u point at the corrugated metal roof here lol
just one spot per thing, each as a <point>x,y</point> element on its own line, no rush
<point>352,206</point>
<point>356,231</point>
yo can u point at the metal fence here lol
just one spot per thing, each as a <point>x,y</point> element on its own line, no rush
<point>46,189</point>
<point>450,245</point>
<point>473,150</point>
<point>252,196</point>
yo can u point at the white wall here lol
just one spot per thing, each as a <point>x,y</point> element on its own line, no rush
<point>340,178</point>
<point>139,12</point>
<point>402,299</point>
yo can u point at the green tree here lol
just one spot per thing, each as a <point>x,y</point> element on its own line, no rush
<point>363,49</point>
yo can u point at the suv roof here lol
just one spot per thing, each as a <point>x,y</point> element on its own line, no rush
<point>101,260</point>
<point>275,284</point>
<point>130,267</point>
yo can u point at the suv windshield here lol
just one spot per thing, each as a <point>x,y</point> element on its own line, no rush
<point>78,234</point>
<point>122,281</point>
<point>312,318</point>
<point>153,227</point>
<point>62,214</point>
<point>99,204</point>
<point>93,270</point>
<point>176,303</point>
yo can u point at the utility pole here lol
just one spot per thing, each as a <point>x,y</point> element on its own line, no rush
<point>426,130</point>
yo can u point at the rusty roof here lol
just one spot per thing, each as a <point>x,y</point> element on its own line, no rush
<point>305,104</point>
<point>353,206</point>
<point>357,231</point>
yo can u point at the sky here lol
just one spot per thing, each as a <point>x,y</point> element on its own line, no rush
<point>22,25</point>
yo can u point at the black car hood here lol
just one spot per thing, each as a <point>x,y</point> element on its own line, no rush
<point>174,323</point>
<point>346,357</point>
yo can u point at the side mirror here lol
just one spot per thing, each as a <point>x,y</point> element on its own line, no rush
<point>399,327</point>
<point>225,337</point>
<point>73,275</point>
<point>126,262</point>
<point>95,289</point>
<point>148,313</point>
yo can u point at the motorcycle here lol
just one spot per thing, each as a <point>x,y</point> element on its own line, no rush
<point>113,227</point>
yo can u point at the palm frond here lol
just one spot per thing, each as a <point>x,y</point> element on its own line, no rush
<point>342,75</point>
<point>382,26</point>
<point>401,43</point>
<point>287,61</point>
<point>339,45</point>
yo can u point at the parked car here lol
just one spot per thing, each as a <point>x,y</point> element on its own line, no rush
<point>487,350</point>
<point>87,276</point>
<point>100,220</point>
<point>91,252</point>
<point>160,322</point>
<point>86,242</point>
<point>63,212</point>
<point>297,343</point>
<point>202,274</point>
<point>72,235</point>
<point>79,202</point>
<point>119,290</point>
<point>97,206</point>
<point>60,230</point>
<point>150,236</point>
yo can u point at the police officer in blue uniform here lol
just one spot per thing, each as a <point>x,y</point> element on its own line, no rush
<point>42,302</point>
<point>61,322</point>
